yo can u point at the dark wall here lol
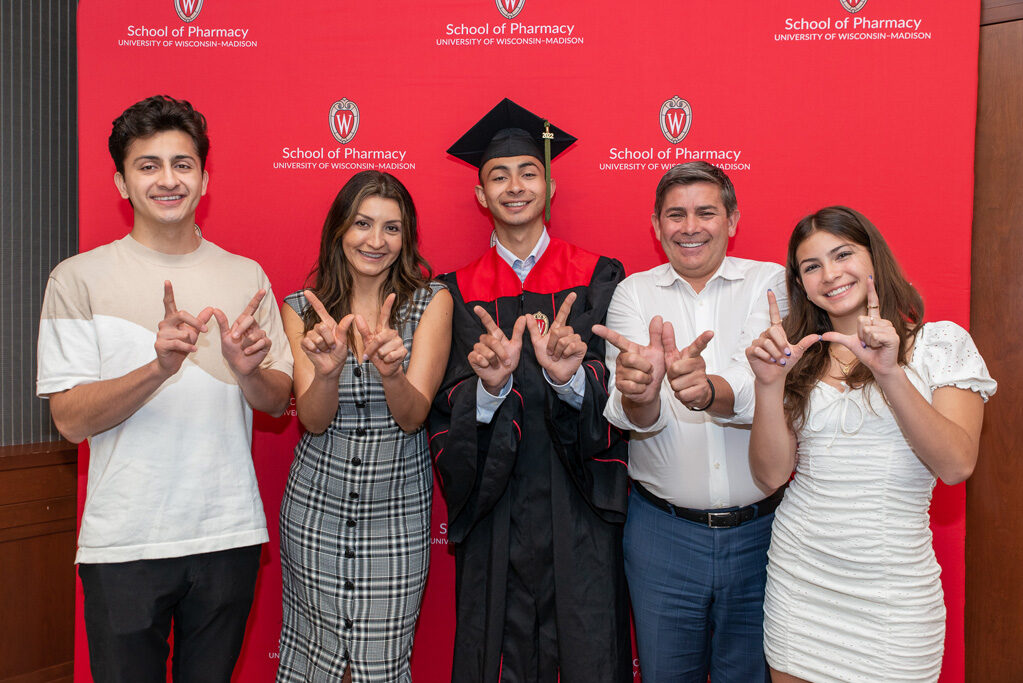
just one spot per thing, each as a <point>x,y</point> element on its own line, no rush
<point>39,186</point>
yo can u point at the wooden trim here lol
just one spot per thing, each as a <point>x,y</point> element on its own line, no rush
<point>999,11</point>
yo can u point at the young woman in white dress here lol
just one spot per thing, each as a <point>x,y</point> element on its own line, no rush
<point>868,405</point>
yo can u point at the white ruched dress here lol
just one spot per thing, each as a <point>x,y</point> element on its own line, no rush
<point>853,588</point>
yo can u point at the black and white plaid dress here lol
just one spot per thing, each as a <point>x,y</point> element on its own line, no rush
<point>355,533</point>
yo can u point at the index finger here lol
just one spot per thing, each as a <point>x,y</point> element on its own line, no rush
<point>487,321</point>
<point>384,318</point>
<point>872,300</point>
<point>253,304</point>
<point>169,307</point>
<point>699,344</point>
<point>613,338</point>
<point>318,307</point>
<point>772,306</point>
<point>566,307</point>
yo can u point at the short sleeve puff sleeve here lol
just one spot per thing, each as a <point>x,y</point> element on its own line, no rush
<point>945,355</point>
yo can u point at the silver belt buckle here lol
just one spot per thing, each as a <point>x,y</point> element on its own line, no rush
<point>713,516</point>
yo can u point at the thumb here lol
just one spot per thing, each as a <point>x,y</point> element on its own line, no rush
<point>668,341</point>
<point>656,332</point>
<point>805,343</point>
<point>532,326</point>
<point>520,327</point>
<point>222,321</point>
<point>849,341</point>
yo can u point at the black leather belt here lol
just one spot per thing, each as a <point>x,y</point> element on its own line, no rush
<point>716,520</point>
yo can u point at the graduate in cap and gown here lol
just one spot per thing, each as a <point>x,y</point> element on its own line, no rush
<point>534,477</point>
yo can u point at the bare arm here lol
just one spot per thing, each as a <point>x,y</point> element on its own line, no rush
<point>409,394</point>
<point>772,446</point>
<point>319,358</point>
<point>89,409</point>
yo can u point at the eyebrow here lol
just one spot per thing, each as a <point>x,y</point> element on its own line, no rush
<point>704,207</point>
<point>154,157</point>
<point>506,168</point>
<point>844,245</point>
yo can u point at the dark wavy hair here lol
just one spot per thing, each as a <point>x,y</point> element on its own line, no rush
<point>899,303</point>
<point>154,115</point>
<point>331,278</point>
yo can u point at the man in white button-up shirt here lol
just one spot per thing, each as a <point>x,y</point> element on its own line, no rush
<point>698,527</point>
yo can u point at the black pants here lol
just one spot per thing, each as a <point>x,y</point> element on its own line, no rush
<point>129,608</point>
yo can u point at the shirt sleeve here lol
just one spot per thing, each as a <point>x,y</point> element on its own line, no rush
<point>268,316</point>
<point>571,392</point>
<point>625,316</point>
<point>738,373</point>
<point>68,348</point>
<point>486,403</point>
<point>949,357</point>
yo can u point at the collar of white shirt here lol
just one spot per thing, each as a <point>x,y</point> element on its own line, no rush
<point>523,266</point>
<point>668,276</point>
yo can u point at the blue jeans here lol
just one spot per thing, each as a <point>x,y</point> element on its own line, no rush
<point>697,596</point>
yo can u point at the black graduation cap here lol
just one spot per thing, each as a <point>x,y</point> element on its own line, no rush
<point>509,130</point>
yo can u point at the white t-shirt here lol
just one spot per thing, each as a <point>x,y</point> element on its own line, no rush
<point>176,478</point>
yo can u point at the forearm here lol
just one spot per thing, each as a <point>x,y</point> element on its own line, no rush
<point>88,409</point>
<point>723,404</point>
<point>266,390</point>
<point>641,414</point>
<point>946,448</point>
<point>772,451</point>
<point>317,404</point>
<point>408,406</point>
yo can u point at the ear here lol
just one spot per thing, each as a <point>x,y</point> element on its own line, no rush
<point>656,224</point>
<point>733,221</point>
<point>554,186</point>
<point>481,197</point>
<point>205,182</point>
<point>122,186</point>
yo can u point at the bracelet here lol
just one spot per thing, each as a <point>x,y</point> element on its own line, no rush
<point>713,394</point>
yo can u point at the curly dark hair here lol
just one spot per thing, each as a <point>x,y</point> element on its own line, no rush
<point>153,115</point>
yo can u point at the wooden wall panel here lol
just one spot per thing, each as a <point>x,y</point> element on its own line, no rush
<point>37,552</point>
<point>994,501</point>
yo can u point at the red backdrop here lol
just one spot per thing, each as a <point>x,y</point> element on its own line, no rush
<point>805,103</point>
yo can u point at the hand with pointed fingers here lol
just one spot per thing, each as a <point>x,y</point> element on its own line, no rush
<point>876,342</point>
<point>326,343</point>
<point>686,369</point>
<point>243,343</point>
<point>771,356</point>
<point>494,357</point>
<point>561,351</point>
<point>177,333</point>
<point>382,346</point>
<point>639,369</point>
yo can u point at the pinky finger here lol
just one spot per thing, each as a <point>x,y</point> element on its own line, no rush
<point>256,347</point>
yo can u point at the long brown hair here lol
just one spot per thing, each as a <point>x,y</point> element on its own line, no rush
<point>331,278</point>
<point>899,303</point>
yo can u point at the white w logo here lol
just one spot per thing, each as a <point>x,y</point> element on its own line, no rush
<point>187,10</point>
<point>676,121</point>
<point>343,120</point>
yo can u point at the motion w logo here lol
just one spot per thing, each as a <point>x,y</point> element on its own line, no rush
<point>676,117</point>
<point>510,8</point>
<point>188,10</point>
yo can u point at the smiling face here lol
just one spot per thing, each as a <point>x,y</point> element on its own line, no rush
<point>514,190</point>
<point>164,181</point>
<point>694,228</point>
<point>372,243</point>
<point>834,272</point>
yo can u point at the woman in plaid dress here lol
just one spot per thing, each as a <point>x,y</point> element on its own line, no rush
<point>371,341</point>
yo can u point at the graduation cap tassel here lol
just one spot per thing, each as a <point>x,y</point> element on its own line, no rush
<point>547,137</point>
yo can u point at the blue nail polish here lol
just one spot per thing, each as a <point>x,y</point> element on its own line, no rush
<point>863,344</point>
<point>788,351</point>
<point>782,361</point>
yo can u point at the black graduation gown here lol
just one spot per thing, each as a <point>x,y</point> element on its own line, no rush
<point>537,498</point>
